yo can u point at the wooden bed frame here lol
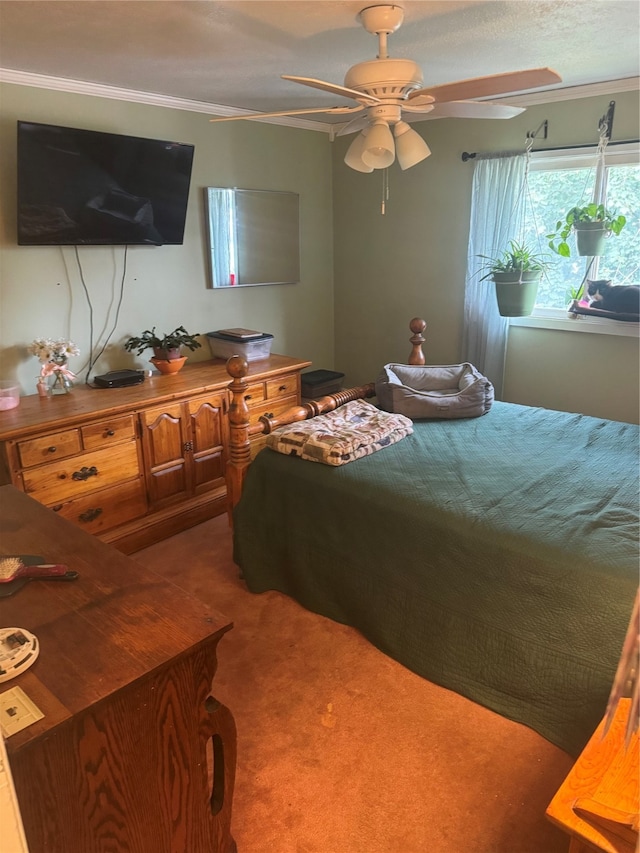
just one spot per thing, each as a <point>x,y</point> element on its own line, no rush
<point>241,431</point>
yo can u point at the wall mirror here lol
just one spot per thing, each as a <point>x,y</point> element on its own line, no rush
<point>254,236</point>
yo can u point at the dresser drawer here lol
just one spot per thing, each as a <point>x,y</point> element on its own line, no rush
<point>55,445</point>
<point>108,432</point>
<point>254,393</point>
<point>106,508</point>
<point>87,472</point>
<point>271,409</point>
<point>283,387</point>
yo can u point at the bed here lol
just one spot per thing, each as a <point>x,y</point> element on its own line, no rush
<point>496,556</point>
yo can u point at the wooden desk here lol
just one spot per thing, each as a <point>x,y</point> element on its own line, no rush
<point>599,801</point>
<point>134,753</point>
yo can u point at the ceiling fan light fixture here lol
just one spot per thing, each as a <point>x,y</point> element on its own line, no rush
<point>353,157</point>
<point>410,146</point>
<point>379,150</point>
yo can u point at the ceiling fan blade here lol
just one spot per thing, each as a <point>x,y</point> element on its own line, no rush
<point>494,84</point>
<point>418,108</point>
<point>334,89</point>
<point>351,126</point>
<point>469,109</point>
<point>308,110</point>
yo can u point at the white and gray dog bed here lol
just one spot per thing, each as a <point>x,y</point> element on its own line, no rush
<point>434,391</point>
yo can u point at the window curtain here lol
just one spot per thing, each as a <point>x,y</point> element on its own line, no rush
<point>497,210</point>
<point>222,235</point>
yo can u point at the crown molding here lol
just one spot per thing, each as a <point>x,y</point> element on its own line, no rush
<point>82,87</point>
<point>571,93</point>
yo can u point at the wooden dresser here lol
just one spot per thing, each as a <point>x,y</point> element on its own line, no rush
<point>135,465</point>
<point>134,753</point>
<point>598,804</point>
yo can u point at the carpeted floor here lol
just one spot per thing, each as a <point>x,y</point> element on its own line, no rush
<point>342,750</point>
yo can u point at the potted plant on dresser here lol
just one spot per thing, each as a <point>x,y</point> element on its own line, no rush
<point>516,274</point>
<point>592,224</point>
<point>167,348</point>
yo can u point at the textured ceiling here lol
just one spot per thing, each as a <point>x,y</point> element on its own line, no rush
<point>232,53</point>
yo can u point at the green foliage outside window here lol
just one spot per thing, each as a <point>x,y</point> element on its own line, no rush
<point>554,191</point>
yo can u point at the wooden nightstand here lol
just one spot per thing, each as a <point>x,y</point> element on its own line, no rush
<point>598,803</point>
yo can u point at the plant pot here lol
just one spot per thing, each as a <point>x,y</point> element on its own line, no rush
<point>171,354</point>
<point>590,238</point>
<point>516,292</point>
<point>169,366</point>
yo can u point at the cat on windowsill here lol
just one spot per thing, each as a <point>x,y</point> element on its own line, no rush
<point>619,299</point>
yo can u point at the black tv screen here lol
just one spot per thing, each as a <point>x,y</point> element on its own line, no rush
<point>84,187</point>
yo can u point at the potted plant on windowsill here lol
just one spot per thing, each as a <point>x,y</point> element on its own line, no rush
<point>516,274</point>
<point>592,224</point>
<point>167,348</point>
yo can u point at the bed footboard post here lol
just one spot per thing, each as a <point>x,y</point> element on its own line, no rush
<point>239,445</point>
<point>417,326</point>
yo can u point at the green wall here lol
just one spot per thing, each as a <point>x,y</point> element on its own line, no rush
<point>41,291</point>
<point>411,262</point>
<point>364,275</point>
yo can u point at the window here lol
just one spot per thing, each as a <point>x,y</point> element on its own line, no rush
<point>560,180</point>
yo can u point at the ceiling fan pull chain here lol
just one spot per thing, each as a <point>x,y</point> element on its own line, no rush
<point>385,191</point>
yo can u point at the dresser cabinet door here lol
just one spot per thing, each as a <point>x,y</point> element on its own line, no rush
<point>207,441</point>
<point>184,445</point>
<point>165,447</point>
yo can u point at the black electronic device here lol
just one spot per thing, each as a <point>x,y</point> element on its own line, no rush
<point>85,187</point>
<point>119,378</point>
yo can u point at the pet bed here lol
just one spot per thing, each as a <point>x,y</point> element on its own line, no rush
<point>436,391</point>
<point>576,308</point>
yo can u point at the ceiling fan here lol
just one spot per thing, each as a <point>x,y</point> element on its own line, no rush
<point>386,88</point>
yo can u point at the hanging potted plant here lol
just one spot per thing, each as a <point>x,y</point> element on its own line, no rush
<point>592,224</point>
<point>167,348</point>
<point>516,274</point>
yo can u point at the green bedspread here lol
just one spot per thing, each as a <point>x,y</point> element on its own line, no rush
<point>495,556</point>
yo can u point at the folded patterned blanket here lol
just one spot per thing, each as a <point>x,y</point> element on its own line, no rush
<point>349,432</point>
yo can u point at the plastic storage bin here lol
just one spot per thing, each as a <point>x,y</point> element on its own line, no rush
<point>224,346</point>
<point>9,395</point>
<point>317,383</point>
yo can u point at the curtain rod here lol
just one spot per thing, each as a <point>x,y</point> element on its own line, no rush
<point>473,155</point>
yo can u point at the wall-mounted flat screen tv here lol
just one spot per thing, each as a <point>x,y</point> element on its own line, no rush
<point>84,187</point>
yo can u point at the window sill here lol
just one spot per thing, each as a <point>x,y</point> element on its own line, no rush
<point>560,321</point>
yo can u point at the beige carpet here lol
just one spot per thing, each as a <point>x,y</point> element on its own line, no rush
<point>341,749</point>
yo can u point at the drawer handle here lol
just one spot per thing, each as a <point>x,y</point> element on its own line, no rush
<point>282,388</point>
<point>52,449</point>
<point>110,433</point>
<point>84,473</point>
<point>90,514</point>
<point>215,756</point>
<point>268,414</point>
<point>248,396</point>
<point>57,507</point>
